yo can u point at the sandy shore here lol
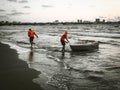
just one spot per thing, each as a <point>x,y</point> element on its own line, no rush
<point>14,73</point>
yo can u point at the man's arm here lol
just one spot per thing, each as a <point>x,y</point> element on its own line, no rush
<point>36,35</point>
<point>28,34</point>
<point>67,39</point>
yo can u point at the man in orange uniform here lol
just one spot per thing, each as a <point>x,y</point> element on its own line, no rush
<point>31,34</point>
<point>63,40</point>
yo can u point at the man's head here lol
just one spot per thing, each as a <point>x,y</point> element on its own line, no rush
<point>66,33</point>
<point>30,29</point>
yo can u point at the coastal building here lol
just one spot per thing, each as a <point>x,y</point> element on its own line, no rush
<point>79,21</point>
<point>97,20</point>
<point>56,21</point>
<point>103,21</point>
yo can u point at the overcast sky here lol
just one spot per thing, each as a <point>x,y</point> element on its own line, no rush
<point>62,10</point>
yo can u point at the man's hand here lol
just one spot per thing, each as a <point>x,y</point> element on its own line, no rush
<point>36,36</point>
<point>67,41</point>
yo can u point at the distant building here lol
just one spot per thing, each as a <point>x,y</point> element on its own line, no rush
<point>79,21</point>
<point>97,20</point>
<point>56,21</point>
<point>103,21</point>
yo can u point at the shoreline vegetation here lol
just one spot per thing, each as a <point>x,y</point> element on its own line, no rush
<point>2,23</point>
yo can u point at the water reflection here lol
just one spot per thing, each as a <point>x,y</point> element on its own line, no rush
<point>62,55</point>
<point>30,56</point>
<point>84,53</point>
<point>61,79</point>
<point>62,64</point>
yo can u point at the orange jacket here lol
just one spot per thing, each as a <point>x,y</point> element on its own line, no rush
<point>63,37</point>
<point>31,33</point>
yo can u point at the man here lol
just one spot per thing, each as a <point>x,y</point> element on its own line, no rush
<point>64,40</point>
<point>31,34</point>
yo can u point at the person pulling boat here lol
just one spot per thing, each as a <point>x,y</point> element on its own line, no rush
<point>64,40</point>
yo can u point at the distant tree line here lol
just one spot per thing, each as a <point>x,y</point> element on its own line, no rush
<point>54,23</point>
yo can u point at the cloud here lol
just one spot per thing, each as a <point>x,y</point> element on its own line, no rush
<point>1,10</point>
<point>92,6</point>
<point>26,7</point>
<point>14,11</point>
<point>23,1</point>
<point>20,1</point>
<point>47,6</point>
<point>17,13</point>
<point>12,0</point>
<point>4,18</point>
<point>1,16</point>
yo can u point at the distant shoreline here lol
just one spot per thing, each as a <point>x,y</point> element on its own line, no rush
<point>2,23</point>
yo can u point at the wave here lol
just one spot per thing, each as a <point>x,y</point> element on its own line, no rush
<point>22,42</point>
<point>103,35</point>
<point>54,58</point>
<point>60,80</point>
<point>111,42</point>
<point>113,68</point>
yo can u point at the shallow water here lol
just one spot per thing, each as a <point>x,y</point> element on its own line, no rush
<point>92,70</point>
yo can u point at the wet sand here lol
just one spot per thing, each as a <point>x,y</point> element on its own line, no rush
<point>14,73</point>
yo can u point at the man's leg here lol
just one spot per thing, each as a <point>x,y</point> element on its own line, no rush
<point>31,41</point>
<point>63,49</point>
<point>62,42</point>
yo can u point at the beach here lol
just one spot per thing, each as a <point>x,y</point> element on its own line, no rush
<point>46,67</point>
<point>14,73</point>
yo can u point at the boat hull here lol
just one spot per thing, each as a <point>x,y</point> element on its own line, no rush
<point>86,46</point>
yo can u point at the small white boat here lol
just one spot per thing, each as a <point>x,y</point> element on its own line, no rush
<point>85,45</point>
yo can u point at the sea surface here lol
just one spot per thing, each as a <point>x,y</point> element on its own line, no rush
<point>87,70</point>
